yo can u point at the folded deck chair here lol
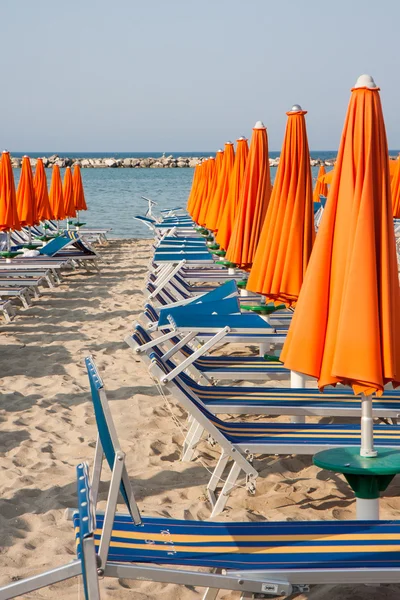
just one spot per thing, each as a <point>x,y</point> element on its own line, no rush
<point>240,441</point>
<point>204,367</point>
<point>268,558</point>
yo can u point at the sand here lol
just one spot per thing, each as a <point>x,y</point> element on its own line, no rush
<point>47,427</point>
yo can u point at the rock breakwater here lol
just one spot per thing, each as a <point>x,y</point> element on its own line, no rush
<point>163,162</point>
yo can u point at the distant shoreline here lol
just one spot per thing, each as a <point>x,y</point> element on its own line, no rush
<point>145,162</point>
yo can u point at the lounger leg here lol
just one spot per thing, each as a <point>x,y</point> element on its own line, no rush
<point>226,490</point>
<point>192,424</point>
<point>25,586</point>
<point>198,432</point>
<point>212,593</point>
<point>25,299</point>
<point>216,476</point>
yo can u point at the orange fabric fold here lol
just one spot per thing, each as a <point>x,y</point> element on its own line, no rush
<point>68,194</point>
<point>26,198</point>
<point>287,237</point>
<point>321,188</point>
<point>227,220</point>
<point>8,201</point>
<point>217,203</point>
<point>395,186</point>
<point>56,195</point>
<point>346,327</point>
<point>253,202</point>
<point>79,194</point>
<point>193,189</point>
<point>42,196</point>
<point>201,192</point>
<point>208,190</point>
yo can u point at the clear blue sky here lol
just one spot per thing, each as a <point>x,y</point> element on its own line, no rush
<point>130,75</point>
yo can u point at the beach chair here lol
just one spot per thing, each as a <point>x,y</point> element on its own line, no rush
<point>257,559</point>
<point>240,441</point>
<point>206,368</point>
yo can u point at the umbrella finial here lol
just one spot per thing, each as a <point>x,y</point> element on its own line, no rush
<point>259,125</point>
<point>219,150</point>
<point>365,81</point>
<point>296,108</point>
<point>229,142</point>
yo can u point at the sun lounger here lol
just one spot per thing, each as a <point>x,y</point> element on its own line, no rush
<point>268,558</point>
<point>239,441</point>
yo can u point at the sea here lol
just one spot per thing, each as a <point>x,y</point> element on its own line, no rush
<point>115,196</point>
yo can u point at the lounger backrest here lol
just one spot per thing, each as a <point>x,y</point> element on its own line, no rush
<point>151,313</point>
<point>55,245</point>
<point>227,306</point>
<point>78,243</point>
<point>85,536</point>
<point>106,429</point>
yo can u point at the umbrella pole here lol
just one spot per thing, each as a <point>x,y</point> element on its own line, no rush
<point>297,380</point>
<point>367,428</point>
<point>8,259</point>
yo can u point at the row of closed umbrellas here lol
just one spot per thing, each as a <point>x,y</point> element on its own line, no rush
<point>32,203</point>
<point>343,281</point>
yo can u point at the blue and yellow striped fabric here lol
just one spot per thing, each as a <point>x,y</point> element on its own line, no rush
<point>287,434</point>
<point>279,545</point>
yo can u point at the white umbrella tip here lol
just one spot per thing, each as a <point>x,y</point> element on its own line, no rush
<point>242,137</point>
<point>296,108</point>
<point>228,143</point>
<point>5,151</point>
<point>219,150</point>
<point>259,125</point>
<point>365,81</point>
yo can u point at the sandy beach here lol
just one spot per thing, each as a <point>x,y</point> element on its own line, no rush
<point>48,426</point>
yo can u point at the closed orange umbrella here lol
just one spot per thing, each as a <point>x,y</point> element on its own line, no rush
<point>42,196</point>
<point>68,195</point>
<point>8,202</point>
<point>26,198</point>
<point>287,236</point>
<point>227,220</point>
<point>208,190</point>
<point>327,177</point>
<point>193,189</point>
<point>218,201</point>
<point>79,194</point>
<point>396,190</point>
<point>321,188</point>
<point>201,192</point>
<point>346,327</point>
<point>56,195</point>
<point>253,201</point>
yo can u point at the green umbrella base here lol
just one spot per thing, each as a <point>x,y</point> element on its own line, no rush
<point>46,238</point>
<point>242,284</point>
<point>272,357</point>
<point>262,309</point>
<point>367,477</point>
<point>226,263</point>
<point>218,252</point>
<point>213,246</point>
<point>9,254</point>
<point>31,246</point>
<point>78,224</point>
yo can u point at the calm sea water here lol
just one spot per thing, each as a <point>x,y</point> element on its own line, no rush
<point>113,196</point>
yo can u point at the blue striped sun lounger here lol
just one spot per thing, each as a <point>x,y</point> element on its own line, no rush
<point>270,558</point>
<point>240,440</point>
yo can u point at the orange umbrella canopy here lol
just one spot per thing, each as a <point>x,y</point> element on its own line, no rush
<point>201,191</point>
<point>56,195</point>
<point>346,327</point>
<point>227,219</point>
<point>287,236</point>
<point>208,190</point>
<point>217,203</point>
<point>79,194</point>
<point>396,190</point>
<point>253,201</point>
<point>321,187</point>
<point>8,201</point>
<point>42,197</point>
<point>68,194</point>
<point>193,189</point>
<point>26,197</point>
